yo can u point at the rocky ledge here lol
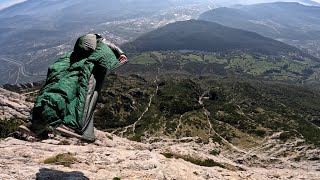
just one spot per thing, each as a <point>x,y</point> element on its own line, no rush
<point>112,157</point>
<point>13,104</point>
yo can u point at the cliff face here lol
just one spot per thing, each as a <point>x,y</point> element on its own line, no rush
<point>13,104</point>
<point>112,157</point>
<point>278,156</point>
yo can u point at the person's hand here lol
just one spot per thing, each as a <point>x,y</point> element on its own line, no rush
<point>123,59</point>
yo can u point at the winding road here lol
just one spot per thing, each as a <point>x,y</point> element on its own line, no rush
<point>21,69</point>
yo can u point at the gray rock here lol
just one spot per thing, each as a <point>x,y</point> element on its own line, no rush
<point>13,104</point>
<point>25,160</point>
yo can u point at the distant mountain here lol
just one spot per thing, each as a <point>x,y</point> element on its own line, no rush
<point>310,2</point>
<point>82,10</point>
<point>206,36</point>
<point>276,20</point>
<point>92,8</point>
<point>7,3</point>
<point>292,23</point>
<point>227,3</point>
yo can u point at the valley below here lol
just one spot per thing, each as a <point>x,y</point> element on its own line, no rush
<point>26,55</point>
<point>209,92</point>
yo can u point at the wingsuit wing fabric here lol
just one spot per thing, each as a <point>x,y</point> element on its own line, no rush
<point>62,98</point>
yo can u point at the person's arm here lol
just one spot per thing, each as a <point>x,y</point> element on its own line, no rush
<point>115,49</point>
<point>104,57</point>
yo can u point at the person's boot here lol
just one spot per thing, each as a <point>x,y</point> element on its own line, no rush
<point>88,134</point>
<point>28,128</point>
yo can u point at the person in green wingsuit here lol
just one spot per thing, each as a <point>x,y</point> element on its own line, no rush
<point>73,84</point>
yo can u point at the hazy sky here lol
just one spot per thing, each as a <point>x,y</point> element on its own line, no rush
<point>7,3</point>
<point>261,1</point>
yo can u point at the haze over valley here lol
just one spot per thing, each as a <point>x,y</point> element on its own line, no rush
<point>214,89</point>
<point>34,33</point>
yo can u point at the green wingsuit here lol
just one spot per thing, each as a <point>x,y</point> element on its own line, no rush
<point>63,100</point>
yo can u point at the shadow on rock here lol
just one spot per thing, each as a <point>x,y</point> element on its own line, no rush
<point>49,174</point>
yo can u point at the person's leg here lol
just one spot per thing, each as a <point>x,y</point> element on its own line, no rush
<point>38,125</point>
<point>93,93</point>
<point>87,118</point>
<point>35,126</point>
<point>88,128</point>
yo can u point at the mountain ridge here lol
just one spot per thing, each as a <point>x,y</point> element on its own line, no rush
<point>208,36</point>
<point>292,23</point>
<point>245,15</point>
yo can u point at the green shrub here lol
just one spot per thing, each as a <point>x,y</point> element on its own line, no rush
<point>216,139</point>
<point>8,126</point>
<point>215,152</point>
<point>109,136</point>
<point>206,163</point>
<point>197,161</point>
<point>64,142</point>
<point>285,136</point>
<point>168,155</point>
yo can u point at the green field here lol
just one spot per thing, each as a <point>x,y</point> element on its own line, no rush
<point>143,59</point>
<point>276,68</point>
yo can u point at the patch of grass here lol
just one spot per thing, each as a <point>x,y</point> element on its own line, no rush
<point>116,178</point>
<point>259,66</point>
<point>168,155</point>
<point>8,126</point>
<point>206,163</point>
<point>197,161</point>
<point>192,57</point>
<point>215,152</point>
<point>109,137</point>
<point>65,159</point>
<point>64,142</point>
<point>143,59</point>
<point>262,67</point>
<point>214,59</point>
<point>159,55</point>
<point>136,137</point>
<point>296,67</point>
<point>216,139</point>
<point>241,61</point>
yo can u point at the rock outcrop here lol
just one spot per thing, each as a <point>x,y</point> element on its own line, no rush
<point>13,104</point>
<point>23,87</point>
<point>279,156</point>
<point>112,157</point>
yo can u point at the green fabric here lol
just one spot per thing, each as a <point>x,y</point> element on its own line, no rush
<point>62,99</point>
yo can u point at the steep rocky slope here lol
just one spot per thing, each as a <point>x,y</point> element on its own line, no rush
<point>186,137</point>
<point>114,158</point>
<point>238,110</point>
